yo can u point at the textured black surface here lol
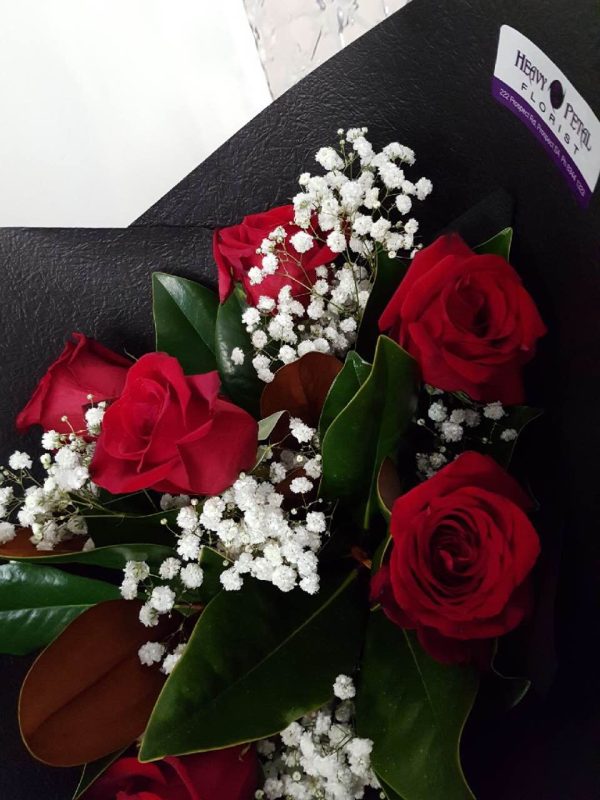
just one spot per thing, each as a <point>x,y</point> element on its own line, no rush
<point>94,281</point>
<point>423,77</point>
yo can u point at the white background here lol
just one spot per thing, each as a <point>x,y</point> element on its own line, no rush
<point>106,104</point>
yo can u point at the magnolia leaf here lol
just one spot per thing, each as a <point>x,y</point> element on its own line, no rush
<point>369,428</point>
<point>257,660</point>
<point>22,547</point>
<point>37,602</point>
<point>91,772</point>
<point>389,487</point>
<point>185,315</point>
<point>87,695</point>
<point>110,529</point>
<point>239,381</point>
<point>498,245</point>
<point>388,276</point>
<point>347,383</point>
<point>111,557</point>
<point>380,553</point>
<point>414,709</point>
<point>390,794</point>
<point>301,387</point>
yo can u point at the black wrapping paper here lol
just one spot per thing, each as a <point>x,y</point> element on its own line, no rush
<point>423,78</point>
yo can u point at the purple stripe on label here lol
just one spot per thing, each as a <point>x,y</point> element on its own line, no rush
<point>503,93</point>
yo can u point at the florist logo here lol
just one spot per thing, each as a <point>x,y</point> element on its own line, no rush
<point>549,98</point>
<point>535,90</point>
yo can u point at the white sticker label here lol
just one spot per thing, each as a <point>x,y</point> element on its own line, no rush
<point>528,83</point>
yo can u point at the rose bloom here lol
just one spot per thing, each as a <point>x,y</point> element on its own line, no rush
<point>463,547</point>
<point>235,249</point>
<point>84,368</point>
<point>173,433</point>
<point>467,320</point>
<point>230,774</point>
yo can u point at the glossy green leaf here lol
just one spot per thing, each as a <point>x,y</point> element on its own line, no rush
<point>369,428</point>
<point>390,794</point>
<point>112,529</point>
<point>352,376</point>
<point>380,553</point>
<point>37,602</point>
<point>414,709</point>
<point>389,274</point>
<point>91,772</point>
<point>389,487</point>
<point>498,245</point>
<point>185,315</point>
<point>239,381</point>
<point>111,557</point>
<point>257,660</point>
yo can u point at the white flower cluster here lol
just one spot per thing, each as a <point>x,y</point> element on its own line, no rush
<point>153,653</point>
<point>250,527</point>
<point>51,508</point>
<point>363,197</point>
<point>456,428</point>
<point>357,208</point>
<point>319,757</point>
<point>283,331</point>
<point>161,599</point>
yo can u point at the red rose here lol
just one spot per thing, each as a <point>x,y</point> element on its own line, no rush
<point>173,433</point>
<point>462,549</point>
<point>467,320</point>
<point>235,249</point>
<point>84,367</point>
<point>230,774</point>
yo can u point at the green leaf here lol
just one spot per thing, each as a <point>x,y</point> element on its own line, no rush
<point>91,772</point>
<point>498,245</point>
<point>110,557</point>
<point>240,381</point>
<point>352,376</point>
<point>369,428</point>
<point>388,276</point>
<point>380,553</point>
<point>37,602</point>
<point>111,529</point>
<point>185,315</point>
<point>267,425</point>
<point>414,709</point>
<point>257,660</point>
<point>389,487</point>
<point>390,794</point>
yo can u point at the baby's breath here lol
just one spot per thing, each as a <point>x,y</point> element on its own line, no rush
<point>357,209</point>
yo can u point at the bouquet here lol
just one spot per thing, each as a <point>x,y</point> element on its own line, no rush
<point>277,557</point>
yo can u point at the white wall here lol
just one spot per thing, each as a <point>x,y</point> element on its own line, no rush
<point>106,104</point>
